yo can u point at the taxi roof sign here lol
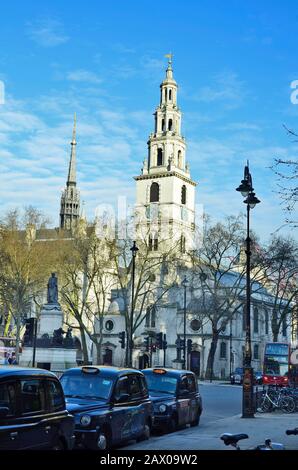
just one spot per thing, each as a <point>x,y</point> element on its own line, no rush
<point>159,371</point>
<point>90,370</point>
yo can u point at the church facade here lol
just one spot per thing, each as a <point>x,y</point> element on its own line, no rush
<point>165,214</point>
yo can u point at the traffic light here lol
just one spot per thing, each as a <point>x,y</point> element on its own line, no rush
<point>159,340</point>
<point>180,343</point>
<point>165,343</point>
<point>29,331</point>
<point>146,341</point>
<point>189,346</point>
<point>121,336</point>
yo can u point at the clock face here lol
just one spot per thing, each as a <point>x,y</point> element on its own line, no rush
<point>184,215</point>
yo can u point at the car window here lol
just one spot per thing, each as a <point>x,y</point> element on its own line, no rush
<point>122,387</point>
<point>32,396</point>
<point>55,395</point>
<point>8,397</point>
<point>86,386</point>
<point>191,383</point>
<point>183,384</point>
<point>135,387</point>
<point>158,383</point>
<point>143,386</point>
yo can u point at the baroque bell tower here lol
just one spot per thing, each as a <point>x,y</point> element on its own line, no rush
<point>70,199</point>
<point>165,201</point>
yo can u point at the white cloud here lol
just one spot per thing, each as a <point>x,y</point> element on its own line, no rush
<point>47,32</point>
<point>226,88</point>
<point>83,76</point>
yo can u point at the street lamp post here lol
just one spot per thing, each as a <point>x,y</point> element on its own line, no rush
<point>134,249</point>
<point>184,284</point>
<point>231,349</point>
<point>251,200</point>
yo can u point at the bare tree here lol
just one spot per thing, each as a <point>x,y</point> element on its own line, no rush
<point>23,267</point>
<point>287,172</point>
<point>280,262</point>
<point>220,274</point>
<point>86,285</point>
<point>155,274</point>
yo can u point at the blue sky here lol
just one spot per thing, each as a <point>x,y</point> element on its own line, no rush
<point>234,63</point>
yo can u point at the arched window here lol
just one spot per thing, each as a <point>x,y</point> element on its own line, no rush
<point>183,194</point>
<point>153,243</point>
<point>159,157</point>
<point>170,94</point>
<point>163,125</point>
<point>182,244</point>
<point>170,124</point>
<point>256,320</point>
<point>179,159</point>
<point>150,317</point>
<point>223,350</point>
<point>153,316</point>
<point>147,318</point>
<point>256,351</point>
<point>154,192</point>
<point>150,244</point>
<point>266,322</point>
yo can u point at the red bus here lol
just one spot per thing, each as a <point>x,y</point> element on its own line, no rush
<point>276,364</point>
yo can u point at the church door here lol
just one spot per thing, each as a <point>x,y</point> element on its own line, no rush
<point>195,362</point>
<point>144,361</point>
<point>108,357</point>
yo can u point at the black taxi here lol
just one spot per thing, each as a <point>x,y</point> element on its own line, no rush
<point>111,405</point>
<point>175,397</point>
<point>32,411</point>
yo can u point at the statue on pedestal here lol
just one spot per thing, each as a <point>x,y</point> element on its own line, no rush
<point>52,296</point>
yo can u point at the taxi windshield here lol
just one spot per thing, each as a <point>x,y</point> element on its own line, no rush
<point>158,383</point>
<point>88,386</point>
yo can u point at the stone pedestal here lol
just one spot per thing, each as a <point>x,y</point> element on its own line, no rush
<point>51,318</point>
<point>56,359</point>
<point>52,352</point>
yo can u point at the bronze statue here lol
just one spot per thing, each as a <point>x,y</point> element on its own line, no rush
<point>53,289</point>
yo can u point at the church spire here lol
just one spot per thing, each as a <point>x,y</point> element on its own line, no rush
<point>166,145</point>
<point>71,180</point>
<point>70,199</point>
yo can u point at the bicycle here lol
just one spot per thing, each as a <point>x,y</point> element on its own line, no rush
<point>276,399</point>
<point>233,439</point>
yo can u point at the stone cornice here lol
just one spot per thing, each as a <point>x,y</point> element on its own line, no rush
<point>164,175</point>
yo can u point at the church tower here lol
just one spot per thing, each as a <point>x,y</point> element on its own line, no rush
<point>165,201</point>
<point>70,199</point>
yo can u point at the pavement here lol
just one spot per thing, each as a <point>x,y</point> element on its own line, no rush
<point>207,436</point>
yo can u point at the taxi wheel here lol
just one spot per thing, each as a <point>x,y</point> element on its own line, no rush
<point>146,433</point>
<point>58,445</point>
<point>103,440</point>
<point>172,426</point>
<point>196,421</point>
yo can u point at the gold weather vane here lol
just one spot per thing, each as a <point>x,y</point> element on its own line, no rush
<point>170,57</point>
